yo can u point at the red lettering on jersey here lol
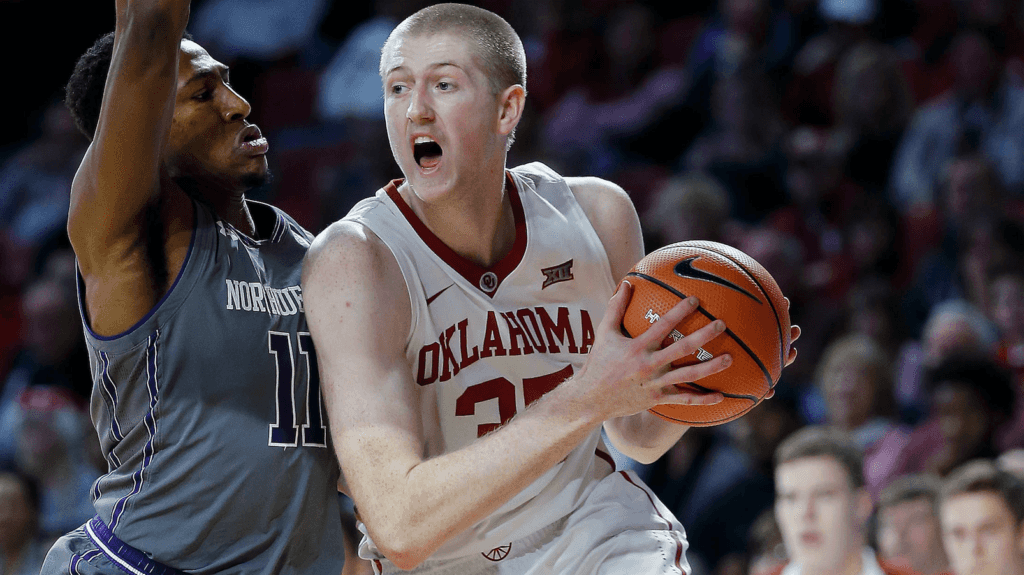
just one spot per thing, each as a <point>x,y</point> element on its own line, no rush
<point>527,319</point>
<point>515,331</point>
<point>449,366</point>
<point>588,332</point>
<point>557,332</point>
<point>433,351</point>
<point>492,338</point>
<point>467,360</point>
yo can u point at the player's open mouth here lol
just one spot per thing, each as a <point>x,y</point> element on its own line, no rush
<point>426,152</point>
<point>252,141</point>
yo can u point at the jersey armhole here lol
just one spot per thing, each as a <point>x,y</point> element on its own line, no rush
<point>592,235</point>
<point>171,291</point>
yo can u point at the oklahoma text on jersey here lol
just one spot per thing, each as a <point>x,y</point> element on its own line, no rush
<point>526,331</point>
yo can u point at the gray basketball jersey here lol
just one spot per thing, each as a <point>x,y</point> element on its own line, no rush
<point>209,414</point>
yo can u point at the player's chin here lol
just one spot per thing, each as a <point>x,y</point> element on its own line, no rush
<point>255,177</point>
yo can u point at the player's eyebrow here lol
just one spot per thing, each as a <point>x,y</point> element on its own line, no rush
<point>431,67</point>
<point>221,71</point>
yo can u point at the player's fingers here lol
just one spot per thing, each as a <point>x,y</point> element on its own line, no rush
<point>689,344</point>
<point>685,394</point>
<point>792,356</point>
<point>794,333</point>
<point>617,307</point>
<point>657,333</point>
<point>695,372</point>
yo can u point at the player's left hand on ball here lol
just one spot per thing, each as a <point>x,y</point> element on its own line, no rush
<point>794,334</point>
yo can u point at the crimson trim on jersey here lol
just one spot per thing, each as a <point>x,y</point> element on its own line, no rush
<point>605,457</point>
<point>670,527</point>
<point>466,268</point>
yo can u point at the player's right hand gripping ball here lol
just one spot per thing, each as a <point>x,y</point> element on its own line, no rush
<point>731,286</point>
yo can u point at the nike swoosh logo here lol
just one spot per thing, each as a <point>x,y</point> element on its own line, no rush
<point>685,269</point>
<point>433,297</point>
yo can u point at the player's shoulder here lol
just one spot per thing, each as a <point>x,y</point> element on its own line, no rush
<point>348,250</point>
<point>601,199</point>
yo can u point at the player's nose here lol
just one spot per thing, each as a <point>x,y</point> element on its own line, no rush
<point>235,107</point>
<point>419,110</point>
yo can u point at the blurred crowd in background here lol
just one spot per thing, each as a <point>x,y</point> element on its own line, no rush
<point>869,154</point>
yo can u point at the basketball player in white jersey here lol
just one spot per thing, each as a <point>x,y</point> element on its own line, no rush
<point>468,350</point>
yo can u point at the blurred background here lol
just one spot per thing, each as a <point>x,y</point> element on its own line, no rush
<point>869,154</point>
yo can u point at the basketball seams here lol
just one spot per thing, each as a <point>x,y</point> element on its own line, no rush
<point>778,324</point>
<point>709,423</point>
<point>705,313</point>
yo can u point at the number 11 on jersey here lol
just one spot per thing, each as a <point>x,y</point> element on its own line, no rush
<point>285,432</point>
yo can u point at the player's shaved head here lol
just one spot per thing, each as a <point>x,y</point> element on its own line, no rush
<point>498,46</point>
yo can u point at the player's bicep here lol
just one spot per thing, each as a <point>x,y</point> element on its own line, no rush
<point>358,313</point>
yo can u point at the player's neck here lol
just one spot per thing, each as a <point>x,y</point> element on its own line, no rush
<point>852,565</point>
<point>476,221</point>
<point>229,206</point>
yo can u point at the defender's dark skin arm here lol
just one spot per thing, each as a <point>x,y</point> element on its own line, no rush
<point>129,236</point>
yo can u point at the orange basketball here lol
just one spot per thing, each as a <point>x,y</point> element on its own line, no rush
<point>732,287</point>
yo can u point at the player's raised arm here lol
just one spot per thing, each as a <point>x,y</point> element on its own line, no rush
<point>116,193</point>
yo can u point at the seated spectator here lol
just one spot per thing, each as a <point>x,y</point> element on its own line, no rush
<point>872,105</point>
<point>808,95</point>
<point>51,354</point>
<point>971,398</point>
<point>822,505</point>
<point>21,549</point>
<point>909,533</point>
<point>766,552</point>
<point>954,327</point>
<point>718,533</point>
<point>259,30</point>
<point>690,207</point>
<point>855,378</point>
<point>350,85</point>
<point>982,512</point>
<point>54,445</point>
<point>1006,289</point>
<point>596,124</point>
<point>872,311</point>
<point>983,112</point>
<point>742,146</point>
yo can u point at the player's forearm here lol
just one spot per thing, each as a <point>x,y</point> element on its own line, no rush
<point>443,496</point>
<point>162,19</point>
<point>644,437</point>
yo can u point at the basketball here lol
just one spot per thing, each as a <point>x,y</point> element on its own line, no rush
<point>731,286</point>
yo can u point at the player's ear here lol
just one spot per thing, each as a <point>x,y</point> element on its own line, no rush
<point>511,102</point>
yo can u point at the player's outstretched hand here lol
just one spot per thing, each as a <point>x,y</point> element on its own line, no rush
<point>629,375</point>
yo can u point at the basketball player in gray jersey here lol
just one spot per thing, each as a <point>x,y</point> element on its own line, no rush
<point>205,396</point>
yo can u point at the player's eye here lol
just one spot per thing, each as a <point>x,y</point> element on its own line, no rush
<point>204,95</point>
<point>444,85</point>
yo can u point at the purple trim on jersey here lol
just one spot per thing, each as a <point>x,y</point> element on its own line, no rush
<point>152,383</point>
<point>73,566</point>
<point>111,391</point>
<point>149,314</point>
<point>124,556</point>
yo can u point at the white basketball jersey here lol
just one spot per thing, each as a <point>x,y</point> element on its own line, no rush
<point>485,343</point>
